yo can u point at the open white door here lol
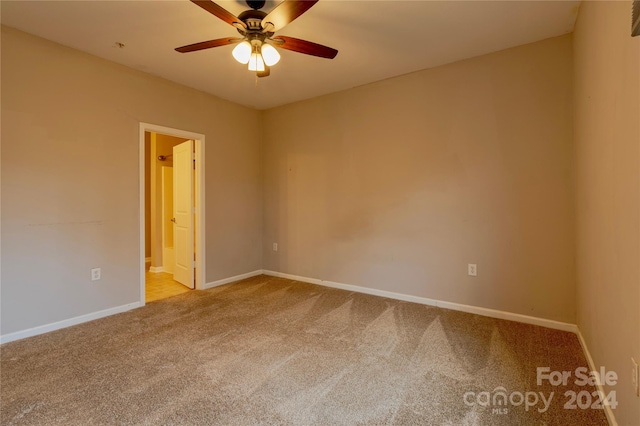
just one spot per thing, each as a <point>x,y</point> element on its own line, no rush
<point>183,209</point>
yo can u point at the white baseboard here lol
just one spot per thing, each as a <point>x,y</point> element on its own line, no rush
<point>383,293</point>
<point>592,367</point>
<point>156,269</point>
<point>232,279</point>
<point>493,313</point>
<point>10,337</point>
<point>293,277</point>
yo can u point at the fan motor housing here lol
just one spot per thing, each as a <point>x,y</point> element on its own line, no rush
<point>253,19</point>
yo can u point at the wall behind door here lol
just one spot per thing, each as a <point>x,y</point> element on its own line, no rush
<point>147,196</point>
<point>160,145</point>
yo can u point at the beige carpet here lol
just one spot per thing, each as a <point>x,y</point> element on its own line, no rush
<point>273,351</point>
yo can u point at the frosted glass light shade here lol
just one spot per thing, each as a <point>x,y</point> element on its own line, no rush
<point>270,54</point>
<point>242,52</point>
<point>256,63</point>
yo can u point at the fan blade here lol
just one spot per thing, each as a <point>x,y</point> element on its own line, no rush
<point>285,13</point>
<point>221,13</point>
<point>265,73</point>
<point>208,44</point>
<point>306,47</point>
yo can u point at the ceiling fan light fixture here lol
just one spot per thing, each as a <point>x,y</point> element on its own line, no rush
<point>256,63</point>
<point>242,52</point>
<point>256,28</point>
<point>270,55</point>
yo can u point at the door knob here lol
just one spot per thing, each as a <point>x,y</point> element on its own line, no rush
<point>173,219</point>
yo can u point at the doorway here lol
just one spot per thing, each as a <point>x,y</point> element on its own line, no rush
<point>171,212</point>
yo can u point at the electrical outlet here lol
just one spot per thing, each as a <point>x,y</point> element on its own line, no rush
<point>96,273</point>
<point>472,269</point>
<point>275,246</point>
<point>634,376</point>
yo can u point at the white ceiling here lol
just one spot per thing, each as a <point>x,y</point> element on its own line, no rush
<point>376,39</point>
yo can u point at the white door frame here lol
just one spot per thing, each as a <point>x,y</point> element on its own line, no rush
<point>200,202</point>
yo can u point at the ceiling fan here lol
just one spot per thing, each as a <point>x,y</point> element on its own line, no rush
<point>257,28</point>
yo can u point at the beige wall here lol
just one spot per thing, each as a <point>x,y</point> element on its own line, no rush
<point>607,134</point>
<point>398,185</point>
<point>70,182</point>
